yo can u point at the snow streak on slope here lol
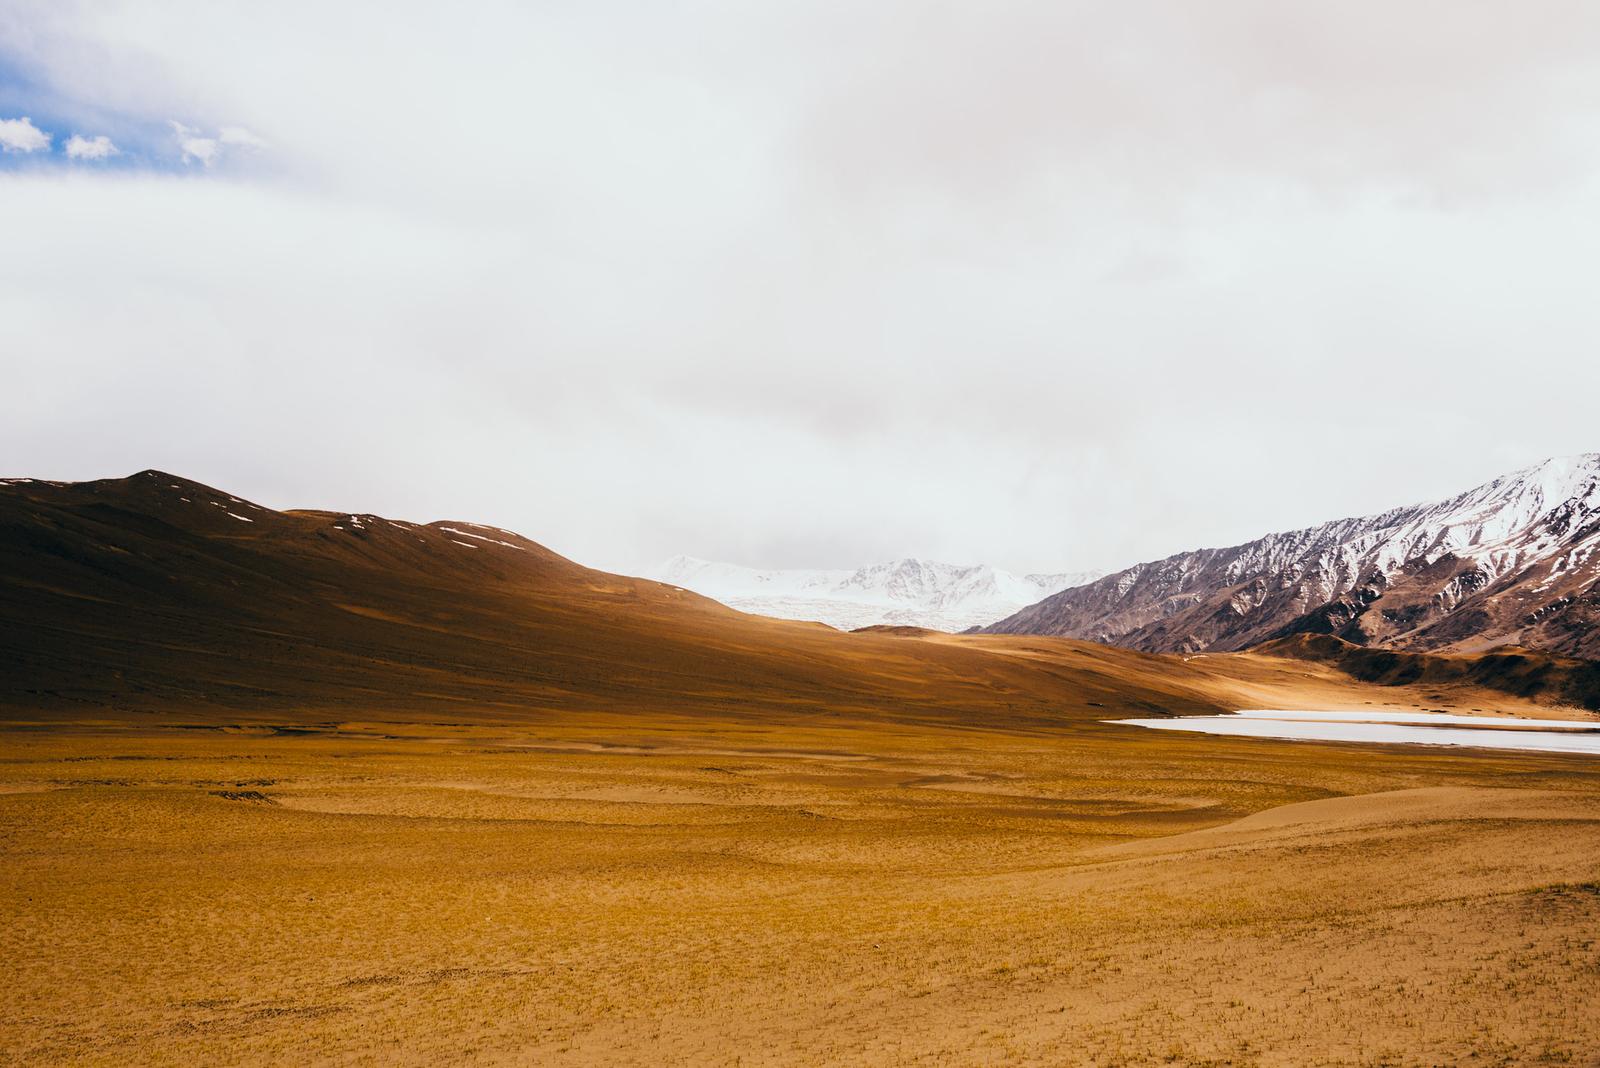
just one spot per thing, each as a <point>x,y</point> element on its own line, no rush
<point>1513,560</point>
<point>907,592</point>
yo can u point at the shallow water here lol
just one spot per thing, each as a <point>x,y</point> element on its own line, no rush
<point>1417,728</point>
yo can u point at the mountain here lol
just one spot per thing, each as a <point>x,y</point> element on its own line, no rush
<point>153,596</point>
<point>916,593</point>
<point>1512,562</point>
<point>154,600</point>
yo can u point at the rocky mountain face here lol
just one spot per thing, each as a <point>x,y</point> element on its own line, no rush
<point>908,592</point>
<point>1511,562</point>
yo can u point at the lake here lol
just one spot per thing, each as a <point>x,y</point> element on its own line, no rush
<point>1416,728</point>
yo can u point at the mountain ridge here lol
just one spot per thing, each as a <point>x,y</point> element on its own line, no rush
<point>1511,561</point>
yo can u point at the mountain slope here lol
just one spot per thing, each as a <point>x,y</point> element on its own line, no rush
<point>154,595</point>
<point>917,593</point>
<point>1508,670</point>
<point>1513,561</point>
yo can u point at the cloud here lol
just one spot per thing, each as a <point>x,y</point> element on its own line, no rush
<point>238,135</point>
<point>1046,285</point>
<point>193,146</point>
<point>21,135</point>
<point>94,148</point>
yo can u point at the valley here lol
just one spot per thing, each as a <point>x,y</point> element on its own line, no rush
<point>793,535</point>
<point>309,787</point>
<point>909,592</point>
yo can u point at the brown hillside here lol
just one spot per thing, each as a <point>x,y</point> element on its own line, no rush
<point>153,593</point>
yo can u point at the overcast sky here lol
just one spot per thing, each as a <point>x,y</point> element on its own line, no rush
<point>1050,286</point>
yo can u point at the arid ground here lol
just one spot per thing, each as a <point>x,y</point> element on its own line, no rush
<point>607,889</point>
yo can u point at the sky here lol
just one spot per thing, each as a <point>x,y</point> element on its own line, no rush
<point>1051,286</point>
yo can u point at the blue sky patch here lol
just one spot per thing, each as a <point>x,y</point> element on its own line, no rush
<point>75,130</point>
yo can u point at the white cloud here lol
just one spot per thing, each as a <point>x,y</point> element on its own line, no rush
<point>1048,285</point>
<point>91,148</point>
<point>238,135</point>
<point>195,146</point>
<point>192,145</point>
<point>21,135</point>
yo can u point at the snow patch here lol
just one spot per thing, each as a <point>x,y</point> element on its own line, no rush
<point>480,537</point>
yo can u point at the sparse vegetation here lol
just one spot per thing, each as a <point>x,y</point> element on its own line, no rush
<point>614,891</point>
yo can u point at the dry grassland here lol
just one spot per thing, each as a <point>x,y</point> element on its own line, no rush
<point>666,889</point>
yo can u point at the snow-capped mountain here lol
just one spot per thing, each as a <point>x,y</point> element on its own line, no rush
<point>919,593</point>
<point>1513,561</point>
